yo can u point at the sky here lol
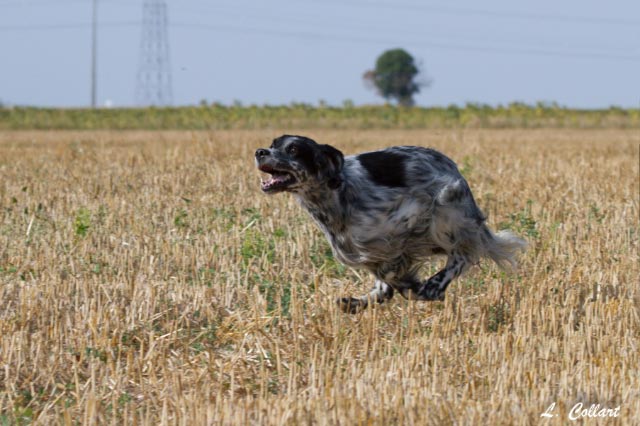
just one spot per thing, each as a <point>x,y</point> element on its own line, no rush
<point>577,53</point>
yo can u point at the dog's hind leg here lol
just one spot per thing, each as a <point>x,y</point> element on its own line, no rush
<point>380,293</point>
<point>434,287</point>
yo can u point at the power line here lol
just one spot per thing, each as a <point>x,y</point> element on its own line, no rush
<point>55,3</point>
<point>350,25</point>
<point>69,26</point>
<point>344,38</point>
<point>39,3</point>
<point>450,10</point>
<point>438,45</point>
<point>493,14</point>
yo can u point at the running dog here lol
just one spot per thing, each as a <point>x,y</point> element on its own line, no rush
<point>388,211</point>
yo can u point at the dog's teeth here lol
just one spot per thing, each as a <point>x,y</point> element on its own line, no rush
<point>275,179</point>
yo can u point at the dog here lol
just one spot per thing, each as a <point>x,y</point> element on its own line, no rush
<point>388,212</point>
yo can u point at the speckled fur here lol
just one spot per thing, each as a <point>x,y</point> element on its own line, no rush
<point>390,211</point>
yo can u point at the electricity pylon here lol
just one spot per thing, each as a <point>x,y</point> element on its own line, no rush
<point>153,82</point>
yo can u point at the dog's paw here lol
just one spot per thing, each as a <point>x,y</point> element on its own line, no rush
<point>350,305</point>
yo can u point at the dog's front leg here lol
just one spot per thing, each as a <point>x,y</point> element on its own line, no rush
<point>380,293</point>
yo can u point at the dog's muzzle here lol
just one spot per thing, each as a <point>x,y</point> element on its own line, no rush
<point>279,180</point>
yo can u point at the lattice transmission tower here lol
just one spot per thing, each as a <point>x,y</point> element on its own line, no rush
<point>153,82</point>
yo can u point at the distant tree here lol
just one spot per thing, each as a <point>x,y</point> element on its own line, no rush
<point>396,77</point>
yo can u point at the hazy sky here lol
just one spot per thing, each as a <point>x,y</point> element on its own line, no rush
<point>579,53</point>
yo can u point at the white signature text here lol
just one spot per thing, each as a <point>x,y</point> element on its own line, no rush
<point>579,411</point>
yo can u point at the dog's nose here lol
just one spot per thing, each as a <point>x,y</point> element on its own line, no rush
<point>262,152</point>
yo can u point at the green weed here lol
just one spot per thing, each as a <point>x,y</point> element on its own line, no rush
<point>82,222</point>
<point>522,222</point>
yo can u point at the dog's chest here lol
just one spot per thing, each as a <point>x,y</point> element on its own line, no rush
<point>369,237</point>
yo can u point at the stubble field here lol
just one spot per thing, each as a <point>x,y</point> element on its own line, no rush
<point>145,279</point>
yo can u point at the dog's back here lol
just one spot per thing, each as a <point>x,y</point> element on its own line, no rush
<point>417,198</point>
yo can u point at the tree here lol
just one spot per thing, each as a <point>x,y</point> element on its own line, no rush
<point>395,77</point>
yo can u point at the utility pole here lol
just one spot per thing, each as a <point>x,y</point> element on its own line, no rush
<point>94,55</point>
<point>153,82</point>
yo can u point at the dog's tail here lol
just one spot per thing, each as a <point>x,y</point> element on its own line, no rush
<point>502,247</point>
<point>459,224</point>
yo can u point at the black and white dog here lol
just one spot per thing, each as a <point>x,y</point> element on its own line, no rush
<point>388,211</point>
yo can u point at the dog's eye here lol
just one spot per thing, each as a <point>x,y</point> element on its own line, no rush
<point>292,150</point>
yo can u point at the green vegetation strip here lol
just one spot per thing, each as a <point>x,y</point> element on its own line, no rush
<point>216,116</point>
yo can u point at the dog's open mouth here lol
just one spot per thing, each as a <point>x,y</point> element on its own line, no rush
<point>277,181</point>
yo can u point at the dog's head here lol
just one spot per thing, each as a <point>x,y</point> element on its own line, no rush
<point>299,164</point>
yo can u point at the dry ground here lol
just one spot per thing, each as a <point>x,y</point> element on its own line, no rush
<point>144,279</point>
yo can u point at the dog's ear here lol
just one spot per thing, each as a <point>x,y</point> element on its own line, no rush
<point>334,161</point>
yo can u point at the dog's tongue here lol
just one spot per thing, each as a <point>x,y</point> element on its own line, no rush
<point>275,178</point>
<point>279,177</point>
